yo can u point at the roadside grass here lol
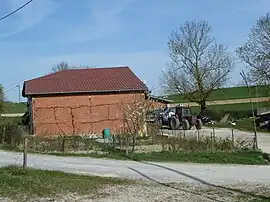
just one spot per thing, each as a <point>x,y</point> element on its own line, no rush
<point>206,157</point>
<point>243,125</point>
<point>260,200</point>
<point>16,183</point>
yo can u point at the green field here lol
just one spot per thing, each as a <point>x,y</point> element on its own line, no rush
<point>232,107</point>
<point>229,94</point>
<point>13,107</point>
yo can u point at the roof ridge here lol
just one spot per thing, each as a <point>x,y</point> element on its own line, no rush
<point>88,68</point>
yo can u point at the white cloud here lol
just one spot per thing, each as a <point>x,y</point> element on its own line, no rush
<point>31,15</point>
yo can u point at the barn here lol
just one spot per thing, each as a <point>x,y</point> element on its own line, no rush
<point>81,101</point>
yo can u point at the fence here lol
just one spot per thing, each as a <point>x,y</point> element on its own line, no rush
<point>121,145</point>
<point>210,139</point>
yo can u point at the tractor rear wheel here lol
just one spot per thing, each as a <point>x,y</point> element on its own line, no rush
<point>174,123</point>
<point>185,124</point>
<point>199,124</point>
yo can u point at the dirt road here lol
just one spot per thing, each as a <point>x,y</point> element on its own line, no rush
<point>160,181</point>
<point>162,172</point>
<point>263,138</point>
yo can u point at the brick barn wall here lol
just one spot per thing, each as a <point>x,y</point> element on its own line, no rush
<point>79,114</point>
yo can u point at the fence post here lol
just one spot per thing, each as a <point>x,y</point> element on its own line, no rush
<point>113,138</point>
<point>214,134</point>
<point>4,134</point>
<point>162,140</point>
<point>25,147</point>
<point>232,137</point>
<point>211,141</point>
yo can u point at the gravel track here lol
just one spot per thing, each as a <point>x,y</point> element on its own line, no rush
<point>160,181</point>
<point>184,192</point>
<point>263,138</point>
<point>162,172</point>
<point>157,181</point>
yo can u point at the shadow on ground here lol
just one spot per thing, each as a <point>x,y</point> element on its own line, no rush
<point>245,193</point>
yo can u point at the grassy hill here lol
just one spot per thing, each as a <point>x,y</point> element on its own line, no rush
<point>12,107</point>
<point>232,107</point>
<point>229,94</point>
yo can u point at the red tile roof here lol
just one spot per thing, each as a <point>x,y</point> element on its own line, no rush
<point>108,79</point>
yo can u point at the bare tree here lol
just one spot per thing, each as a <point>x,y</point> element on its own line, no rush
<point>198,64</point>
<point>2,98</point>
<point>134,119</point>
<point>64,66</point>
<point>61,66</point>
<point>256,51</point>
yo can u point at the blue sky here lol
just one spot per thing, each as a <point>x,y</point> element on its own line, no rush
<point>111,33</point>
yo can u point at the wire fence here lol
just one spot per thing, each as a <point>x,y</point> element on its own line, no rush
<point>154,140</point>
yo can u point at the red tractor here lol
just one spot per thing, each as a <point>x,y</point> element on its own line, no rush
<point>184,118</point>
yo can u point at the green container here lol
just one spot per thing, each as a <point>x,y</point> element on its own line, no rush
<point>107,133</point>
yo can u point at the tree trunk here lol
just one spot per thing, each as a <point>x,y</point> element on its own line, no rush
<point>203,107</point>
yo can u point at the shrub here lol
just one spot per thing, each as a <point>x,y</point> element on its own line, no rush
<point>61,143</point>
<point>217,115</point>
<point>11,134</point>
<point>204,143</point>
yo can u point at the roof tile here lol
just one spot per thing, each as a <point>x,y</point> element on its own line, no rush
<point>85,80</point>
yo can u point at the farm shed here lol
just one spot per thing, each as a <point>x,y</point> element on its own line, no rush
<point>81,101</point>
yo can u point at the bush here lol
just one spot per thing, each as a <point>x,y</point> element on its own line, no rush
<point>61,143</point>
<point>204,143</point>
<point>11,134</point>
<point>217,115</point>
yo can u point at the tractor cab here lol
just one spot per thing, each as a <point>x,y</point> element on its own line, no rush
<point>183,111</point>
<point>183,117</point>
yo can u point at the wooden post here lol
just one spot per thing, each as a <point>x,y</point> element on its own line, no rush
<point>255,145</point>
<point>25,152</point>
<point>232,138</point>
<point>211,142</point>
<point>214,134</point>
<point>3,135</point>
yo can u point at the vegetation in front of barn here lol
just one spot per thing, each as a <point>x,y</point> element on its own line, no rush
<point>154,147</point>
<point>127,144</point>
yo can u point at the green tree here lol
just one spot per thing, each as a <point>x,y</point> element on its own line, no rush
<point>255,52</point>
<point>198,64</point>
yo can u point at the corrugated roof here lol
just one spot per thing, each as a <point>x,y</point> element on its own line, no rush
<point>85,80</point>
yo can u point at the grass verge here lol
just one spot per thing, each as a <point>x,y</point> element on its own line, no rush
<point>16,182</point>
<point>241,157</point>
